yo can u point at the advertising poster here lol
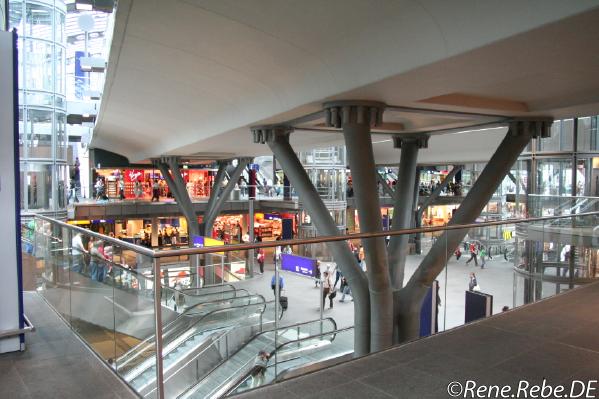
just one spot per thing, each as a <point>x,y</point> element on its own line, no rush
<point>298,264</point>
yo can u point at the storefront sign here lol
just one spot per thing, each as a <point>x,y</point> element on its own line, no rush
<point>197,241</point>
<point>298,264</point>
<point>271,216</point>
<point>201,242</point>
<point>133,175</point>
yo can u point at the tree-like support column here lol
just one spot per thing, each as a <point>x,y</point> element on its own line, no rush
<point>277,138</point>
<point>216,204</point>
<point>403,208</point>
<point>409,298</point>
<point>355,119</point>
<point>176,185</point>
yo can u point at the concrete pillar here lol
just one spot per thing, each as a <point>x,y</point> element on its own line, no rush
<point>403,208</point>
<point>409,298</point>
<point>355,119</point>
<point>277,138</point>
<point>154,232</point>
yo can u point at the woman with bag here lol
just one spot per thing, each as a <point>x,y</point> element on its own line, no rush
<point>260,259</point>
<point>327,289</point>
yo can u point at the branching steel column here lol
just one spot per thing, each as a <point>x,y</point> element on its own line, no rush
<point>177,186</point>
<point>355,118</point>
<point>277,138</point>
<point>403,208</point>
<point>213,212</point>
<point>215,191</point>
<point>410,297</point>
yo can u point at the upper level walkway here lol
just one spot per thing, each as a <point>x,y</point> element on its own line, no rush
<point>554,339</point>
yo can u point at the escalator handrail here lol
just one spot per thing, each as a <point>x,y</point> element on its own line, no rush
<point>242,379</point>
<point>209,314</point>
<point>250,341</point>
<point>211,286</point>
<point>197,333</point>
<point>168,331</point>
<point>166,328</point>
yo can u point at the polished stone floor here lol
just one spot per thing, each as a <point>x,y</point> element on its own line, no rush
<point>556,339</point>
<point>56,364</point>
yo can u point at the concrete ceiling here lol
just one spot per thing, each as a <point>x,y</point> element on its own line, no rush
<point>189,77</point>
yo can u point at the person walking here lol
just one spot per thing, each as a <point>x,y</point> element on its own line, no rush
<point>260,258</point>
<point>483,255</point>
<point>317,274</point>
<point>273,285</point>
<point>344,288</point>
<point>473,284</point>
<point>155,191</point>
<point>473,255</point>
<point>78,250</point>
<point>121,189</point>
<point>458,253</point>
<point>327,289</point>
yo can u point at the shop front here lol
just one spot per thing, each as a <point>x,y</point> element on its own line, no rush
<point>138,182</point>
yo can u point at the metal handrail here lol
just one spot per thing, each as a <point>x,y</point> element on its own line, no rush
<point>303,241</point>
<point>18,331</point>
<point>169,332</point>
<point>263,305</point>
<point>282,329</point>
<point>324,239</point>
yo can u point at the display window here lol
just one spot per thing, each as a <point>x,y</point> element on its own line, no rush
<point>270,226</point>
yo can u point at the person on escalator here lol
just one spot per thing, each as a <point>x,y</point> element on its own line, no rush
<point>258,372</point>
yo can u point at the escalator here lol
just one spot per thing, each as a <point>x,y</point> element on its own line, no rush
<point>187,333</point>
<point>296,357</point>
<point>238,364</point>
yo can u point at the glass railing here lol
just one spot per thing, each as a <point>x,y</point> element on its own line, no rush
<point>116,309</point>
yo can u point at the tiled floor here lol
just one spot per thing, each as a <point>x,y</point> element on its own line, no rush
<point>56,364</point>
<point>556,339</point>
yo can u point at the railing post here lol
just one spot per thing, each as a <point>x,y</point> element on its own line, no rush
<point>158,328</point>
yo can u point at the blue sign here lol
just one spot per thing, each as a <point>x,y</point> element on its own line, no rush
<point>271,216</point>
<point>298,264</point>
<point>80,76</point>
<point>197,241</point>
<point>254,166</point>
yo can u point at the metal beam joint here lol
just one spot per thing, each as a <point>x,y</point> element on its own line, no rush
<point>271,133</point>
<point>339,113</point>
<point>421,140</point>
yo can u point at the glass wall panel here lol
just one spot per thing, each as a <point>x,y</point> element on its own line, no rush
<point>38,21</point>
<point>584,135</point>
<point>39,64</point>
<point>61,136</point>
<point>39,186</point>
<point>39,129</point>
<point>554,177</point>
<point>566,135</point>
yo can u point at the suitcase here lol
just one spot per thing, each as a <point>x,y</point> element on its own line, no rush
<point>284,302</point>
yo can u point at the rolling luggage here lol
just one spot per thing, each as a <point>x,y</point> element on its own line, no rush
<point>284,302</point>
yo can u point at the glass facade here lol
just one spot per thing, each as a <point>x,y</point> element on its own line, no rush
<point>42,103</point>
<point>327,170</point>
